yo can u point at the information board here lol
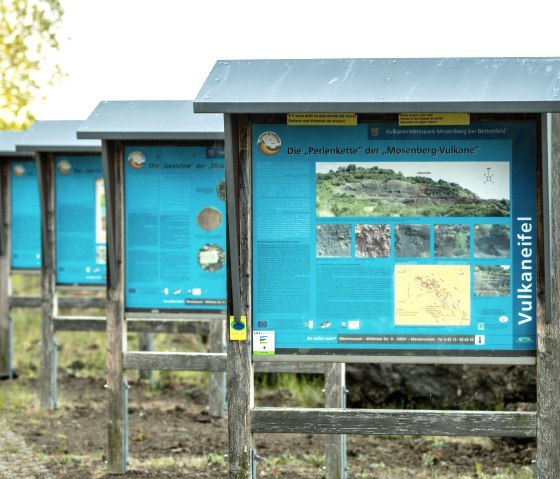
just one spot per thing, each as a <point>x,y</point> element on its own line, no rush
<point>175,228</point>
<point>26,216</point>
<point>81,231</point>
<point>378,238</point>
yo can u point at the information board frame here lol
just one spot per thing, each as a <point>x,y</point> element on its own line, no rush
<point>432,356</point>
<point>119,358</point>
<point>431,87</point>
<point>8,158</point>
<point>156,310</point>
<point>4,214</point>
<point>62,166</point>
<point>13,165</point>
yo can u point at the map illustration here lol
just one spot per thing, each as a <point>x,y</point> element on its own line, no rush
<point>432,295</point>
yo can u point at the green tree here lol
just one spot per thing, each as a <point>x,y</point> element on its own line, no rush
<point>28,40</point>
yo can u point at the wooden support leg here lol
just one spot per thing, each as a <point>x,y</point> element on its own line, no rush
<point>335,397</point>
<point>217,389</point>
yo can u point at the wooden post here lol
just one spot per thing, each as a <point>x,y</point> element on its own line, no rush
<point>217,394</point>
<point>5,260</point>
<point>239,364</point>
<point>335,397</point>
<point>47,377</point>
<point>117,426</point>
<point>548,333</point>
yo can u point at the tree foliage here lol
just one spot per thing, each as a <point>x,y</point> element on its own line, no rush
<point>28,40</point>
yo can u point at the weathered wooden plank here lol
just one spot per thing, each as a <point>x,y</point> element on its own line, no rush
<point>98,323</point>
<point>64,302</point>
<point>47,376</point>
<point>548,334</point>
<point>117,406</point>
<point>77,302</point>
<point>80,323</point>
<point>291,367</point>
<point>174,316</point>
<point>5,255</point>
<point>394,421</point>
<point>240,371</point>
<point>217,380</point>
<point>388,359</point>
<point>108,159</point>
<point>117,430</point>
<point>175,361</point>
<point>25,302</point>
<point>164,325</point>
<point>335,397</point>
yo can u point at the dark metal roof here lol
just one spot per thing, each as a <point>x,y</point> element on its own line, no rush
<point>151,120</point>
<point>8,141</point>
<point>485,85</point>
<point>56,136</point>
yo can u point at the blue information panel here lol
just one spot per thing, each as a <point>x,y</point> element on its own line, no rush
<point>175,228</point>
<point>81,231</point>
<point>26,216</point>
<point>377,238</point>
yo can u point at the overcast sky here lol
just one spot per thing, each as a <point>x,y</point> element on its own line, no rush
<point>148,50</point>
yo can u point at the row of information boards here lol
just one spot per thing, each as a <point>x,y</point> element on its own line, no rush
<point>57,223</point>
<point>370,237</point>
<point>175,223</point>
<point>80,221</point>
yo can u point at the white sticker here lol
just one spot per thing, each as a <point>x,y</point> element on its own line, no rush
<point>263,342</point>
<point>479,339</point>
<point>209,257</point>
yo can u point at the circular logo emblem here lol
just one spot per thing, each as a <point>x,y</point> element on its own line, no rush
<point>19,170</point>
<point>136,159</point>
<point>238,326</point>
<point>269,143</point>
<point>64,167</point>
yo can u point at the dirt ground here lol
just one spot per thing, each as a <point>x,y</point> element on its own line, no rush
<point>171,435</point>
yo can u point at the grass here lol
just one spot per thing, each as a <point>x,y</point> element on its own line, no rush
<point>93,462</point>
<point>294,389</point>
<point>15,397</point>
<point>217,459</point>
<point>281,466</point>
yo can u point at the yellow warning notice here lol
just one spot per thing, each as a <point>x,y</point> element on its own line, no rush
<point>238,329</point>
<point>419,119</point>
<point>322,119</point>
